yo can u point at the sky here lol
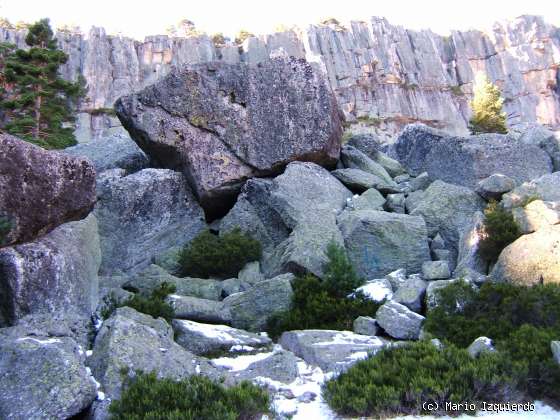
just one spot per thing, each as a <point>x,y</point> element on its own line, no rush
<point>140,18</point>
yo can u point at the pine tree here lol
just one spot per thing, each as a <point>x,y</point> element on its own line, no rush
<point>36,101</point>
<point>486,105</point>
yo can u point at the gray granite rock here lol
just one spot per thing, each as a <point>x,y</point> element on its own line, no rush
<point>435,270</point>
<point>222,123</point>
<point>537,135</point>
<point>555,347</point>
<point>448,209</point>
<point>413,199</point>
<point>203,339</point>
<point>421,182</point>
<point>358,180</point>
<point>368,200</point>
<point>252,309</point>
<point>495,186</point>
<point>42,377</point>
<point>469,257</point>
<point>411,294</point>
<point>251,273</point>
<point>546,188</point>
<point>353,158</point>
<point>365,325</point>
<point>398,321</point>
<point>280,366</point>
<point>395,203</point>
<point>479,346</point>
<point>332,351</point>
<point>197,309</point>
<point>467,160</point>
<point>131,341</point>
<point>116,151</point>
<point>397,278</point>
<point>379,242</point>
<point>142,216</point>
<point>54,273</point>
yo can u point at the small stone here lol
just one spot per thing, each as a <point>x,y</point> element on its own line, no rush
<point>365,325</point>
<point>479,346</point>
<point>421,182</point>
<point>495,186</point>
<point>307,397</point>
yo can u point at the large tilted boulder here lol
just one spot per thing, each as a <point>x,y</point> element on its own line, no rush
<point>536,215</point>
<point>116,151</point>
<point>329,349</point>
<point>131,341</point>
<point>548,141</point>
<point>448,209</point>
<point>378,242</point>
<point>143,215</point>
<point>293,216</point>
<point>222,123</point>
<point>40,189</point>
<point>42,376</point>
<point>398,321</point>
<point>468,160</point>
<point>546,188</point>
<point>531,259</point>
<point>55,273</point>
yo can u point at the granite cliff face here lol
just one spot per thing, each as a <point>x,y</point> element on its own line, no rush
<point>384,76</point>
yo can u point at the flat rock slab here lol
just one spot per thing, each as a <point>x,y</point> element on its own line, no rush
<point>197,309</point>
<point>40,189</point>
<point>203,339</point>
<point>222,123</point>
<point>329,349</point>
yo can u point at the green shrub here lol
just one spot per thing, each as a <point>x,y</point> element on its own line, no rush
<point>209,255</point>
<point>399,380</point>
<point>521,320</point>
<point>325,304</point>
<point>197,397</point>
<point>153,304</point>
<point>496,310</point>
<point>500,230</point>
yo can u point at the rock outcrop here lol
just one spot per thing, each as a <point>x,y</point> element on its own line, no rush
<point>142,216</point>
<point>468,160</point>
<point>384,76</point>
<point>40,190</point>
<point>222,123</point>
<point>56,273</point>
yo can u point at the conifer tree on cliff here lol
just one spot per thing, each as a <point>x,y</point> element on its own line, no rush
<point>486,105</point>
<point>35,101</point>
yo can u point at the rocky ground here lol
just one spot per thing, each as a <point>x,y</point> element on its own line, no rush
<point>408,215</point>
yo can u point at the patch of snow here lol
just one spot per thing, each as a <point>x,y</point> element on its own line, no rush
<point>197,369</point>
<point>359,355</point>
<point>89,353</point>
<point>162,349</point>
<point>376,291</point>
<point>349,337</point>
<point>46,341</point>
<point>238,348</point>
<point>98,323</point>
<point>219,332</point>
<point>235,364</point>
<point>100,395</point>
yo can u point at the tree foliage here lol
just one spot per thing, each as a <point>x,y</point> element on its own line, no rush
<point>500,229</point>
<point>486,105</point>
<point>36,101</point>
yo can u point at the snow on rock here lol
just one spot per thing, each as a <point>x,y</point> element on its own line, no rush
<point>377,290</point>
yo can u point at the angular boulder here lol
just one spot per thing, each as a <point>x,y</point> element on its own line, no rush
<point>411,294</point>
<point>130,341</point>
<point>546,188</point>
<point>143,215</point>
<point>369,200</point>
<point>40,189</point>
<point>448,209</point>
<point>280,366</point>
<point>42,377</point>
<point>531,259</point>
<point>378,242</point>
<point>398,321</point>
<point>222,123</point>
<point>332,351</point>
<point>365,325</point>
<point>548,141</point>
<point>116,151</point>
<point>495,186</point>
<point>469,257</point>
<point>358,180</point>
<point>435,270</point>
<point>55,273</point>
<point>202,339</point>
<point>292,216</point>
<point>197,309</point>
<point>251,310</point>
<point>467,160</point>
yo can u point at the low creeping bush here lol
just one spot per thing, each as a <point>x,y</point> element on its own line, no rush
<point>153,304</point>
<point>500,230</point>
<point>197,397</point>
